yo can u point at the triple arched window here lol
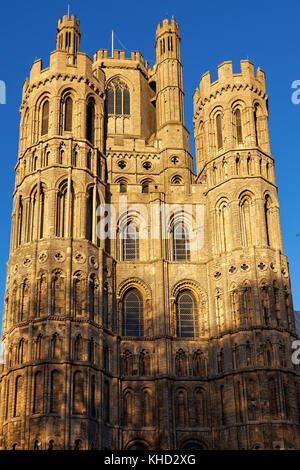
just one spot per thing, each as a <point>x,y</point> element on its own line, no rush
<point>133,322</point>
<point>118,98</point>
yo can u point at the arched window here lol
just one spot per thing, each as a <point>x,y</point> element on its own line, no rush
<point>58,294</point>
<point>133,322</point>
<point>65,210</point>
<point>118,98</point>
<point>36,213</point>
<point>144,363</point>
<point>238,126</point>
<point>78,393</point>
<point>247,219</point>
<point>219,131</point>
<point>130,242</point>
<point>68,114</point>
<point>25,300</point>
<point>223,226</point>
<point>39,348</point>
<point>181,408</point>
<point>181,243</point>
<point>200,407</point>
<point>128,408</point>
<point>20,222</point>
<point>45,118</point>
<point>78,294</point>
<point>180,363</point>
<point>18,402</point>
<point>92,296</point>
<point>127,363</point>
<point>55,392</point>
<point>90,121</point>
<point>78,348</point>
<point>268,218</point>
<point>147,408</point>
<point>38,393</point>
<point>186,319</point>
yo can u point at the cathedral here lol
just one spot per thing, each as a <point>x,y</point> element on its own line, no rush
<point>148,304</point>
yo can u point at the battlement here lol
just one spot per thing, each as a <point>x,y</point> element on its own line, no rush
<point>66,22</point>
<point>167,26</point>
<point>227,77</point>
<point>119,55</point>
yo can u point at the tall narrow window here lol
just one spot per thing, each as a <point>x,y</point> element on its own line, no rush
<point>45,118</point>
<point>90,121</point>
<point>219,131</point>
<point>68,114</point>
<point>20,222</point>
<point>65,211</point>
<point>238,126</point>
<point>256,110</point>
<point>38,393</point>
<point>133,314</point>
<point>186,321</point>
<point>130,237</point>
<point>78,393</point>
<point>55,392</point>
<point>267,207</point>
<point>18,404</point>
<point>181,244</point>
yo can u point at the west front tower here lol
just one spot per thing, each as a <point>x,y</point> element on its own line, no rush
<point>176,330</point>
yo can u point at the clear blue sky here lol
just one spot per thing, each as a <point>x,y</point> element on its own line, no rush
<point>266,32</point>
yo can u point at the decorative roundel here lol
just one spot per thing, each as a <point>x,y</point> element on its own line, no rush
<point>174,159</point>
<point>232,269</point>
<point>79,257</point>
<point>147,165</point>
<point>262,266</point>
<point>60,256</point>
<point>245,267</point>
<point>122,164</point>
<point>217,275</point>
<point>43,257</point>
<point>93,262</point>
<point>27,262</point>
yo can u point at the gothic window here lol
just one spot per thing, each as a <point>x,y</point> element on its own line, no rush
<point>221,363</point>
<point>128,409</point>
<point>25,300</point>
<point>200,407</point>
<point>90,121</point>
<point>18,402</point>
<point>93,395</point>
<point>78,294</point>
<point>78,348</point>
<point>144,363</point>
<point>223,226</point>
<point>55,392</point>
<point>133,314</point>
<point>180,363</point>
<point>39,347</point>
<point>21,351</point>
<point>247,219</point>
<point>147,408</point>
<point>145,186</point>
<point>238,402</point>
<point>65,210</point>
<point>118,98</point>
<point>127,363</point>
<point>68,113</point>
<point>92,219</point>
<point>78,393</point>
<point>123,186</point>
<point>58,294</point>
<point>181,408</point>
<point>55,347</point>
<point>130,241</point>
<point>181,243</point>
<point>268,218</point>
<point>38,393</point>
<point>42,296</point>
<point>45,118</point>
<point>238,126</point>
<point>219,131</point>
<point>249,171</point>
<point>199,364</point>
<point>106,402</point>
<point>92,296</point>
<point>186,318</point>
<point>273,404</point>
<point>20,222</point>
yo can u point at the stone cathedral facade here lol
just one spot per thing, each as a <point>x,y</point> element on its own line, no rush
<point>134,341</point>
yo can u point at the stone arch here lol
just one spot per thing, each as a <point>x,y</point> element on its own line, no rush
<point>137,444</point>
